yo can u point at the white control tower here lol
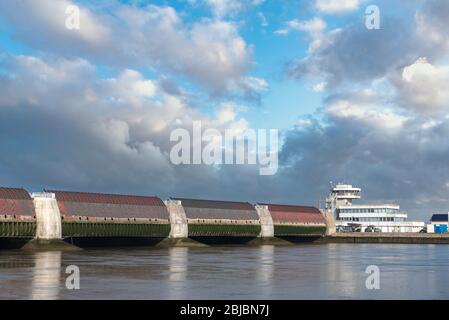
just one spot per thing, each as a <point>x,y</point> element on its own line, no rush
<point>341,195</point>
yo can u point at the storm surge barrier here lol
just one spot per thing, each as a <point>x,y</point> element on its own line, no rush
<point>96,219</point>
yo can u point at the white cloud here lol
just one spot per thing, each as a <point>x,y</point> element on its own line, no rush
<point>376,116</point>
<point>222,8</point>
<point>131,88</point>
<point>110,134</point>
<point>337,6</point>
<point>281,32</point>
<point>319,87</point>
<point>256,84</point>
<point>424,87</point>
<point>226,113</point>
<point>263,19</point>
<point>314,26</point>
<point>209,51</point>
<point>304,122</point>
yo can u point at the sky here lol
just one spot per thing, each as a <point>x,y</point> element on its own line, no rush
<point>92,109</point>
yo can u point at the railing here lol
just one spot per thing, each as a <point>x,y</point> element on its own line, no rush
<point>43,195</point>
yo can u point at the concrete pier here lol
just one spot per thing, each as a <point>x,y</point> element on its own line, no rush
<point>266,222</point>
<point>48,217</point>
<point>330,223</point>
<point>178,220</point>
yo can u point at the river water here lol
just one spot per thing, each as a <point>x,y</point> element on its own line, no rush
<point>311,271</point>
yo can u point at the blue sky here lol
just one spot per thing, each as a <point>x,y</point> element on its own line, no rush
<point>92,109</point>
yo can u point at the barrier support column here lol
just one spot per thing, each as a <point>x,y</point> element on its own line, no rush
<point>178,220</point>
<point>330,223</point>
<point>48,224</point>
<point>266,222</point>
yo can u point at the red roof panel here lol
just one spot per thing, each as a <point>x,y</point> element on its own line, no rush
<point>215,204</point>
<point>84,204</point>
<point>14,193</point>
<point>106,198</point>
<point>16,202</point>
<point>294,214</point>
<point>211,209</point>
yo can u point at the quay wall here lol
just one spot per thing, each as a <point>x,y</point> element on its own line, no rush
<point>404,238</point>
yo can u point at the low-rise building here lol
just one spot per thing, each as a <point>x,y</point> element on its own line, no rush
<point>367,217</point>
<point>438,223</point>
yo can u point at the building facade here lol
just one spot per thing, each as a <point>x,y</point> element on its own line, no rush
<point>367,217</point>
<point>438,223</point>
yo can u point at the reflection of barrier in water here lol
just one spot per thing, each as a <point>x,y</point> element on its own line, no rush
<point>178,257</point>
<point>265,271</point>
<point>348,277</point>
<point>46,275</point>
<point>266,264</point>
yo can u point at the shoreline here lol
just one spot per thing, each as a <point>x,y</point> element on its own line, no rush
<point>400,238</point>
<point>354,238</point>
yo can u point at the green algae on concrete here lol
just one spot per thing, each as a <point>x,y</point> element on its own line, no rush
<point>114,229</point>
<point>226,230</point>
<point>17,229</point>
<point>298,230</point>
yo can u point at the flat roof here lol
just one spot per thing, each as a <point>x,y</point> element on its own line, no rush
<point>370,206</point>
<point>439,218</point>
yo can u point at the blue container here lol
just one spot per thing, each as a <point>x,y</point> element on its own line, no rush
<point>440,228</point>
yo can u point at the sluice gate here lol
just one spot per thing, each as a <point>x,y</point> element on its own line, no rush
<point>206,218</point>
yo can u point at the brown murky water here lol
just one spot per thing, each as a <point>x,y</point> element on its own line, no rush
<point>326,271</point>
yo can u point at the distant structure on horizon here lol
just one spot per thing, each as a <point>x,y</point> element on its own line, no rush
<point>438,223</point>
<point>384,217</point>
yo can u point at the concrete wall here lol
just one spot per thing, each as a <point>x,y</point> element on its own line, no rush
<point>178,220</point>
<point>266,222</point>
<point>48,218</point>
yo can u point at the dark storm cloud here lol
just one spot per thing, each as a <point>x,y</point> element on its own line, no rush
<point>358,54</point>
<point>409,165</point>
<point>63,127</point>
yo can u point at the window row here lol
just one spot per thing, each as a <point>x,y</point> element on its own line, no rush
<point>369,210</point>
